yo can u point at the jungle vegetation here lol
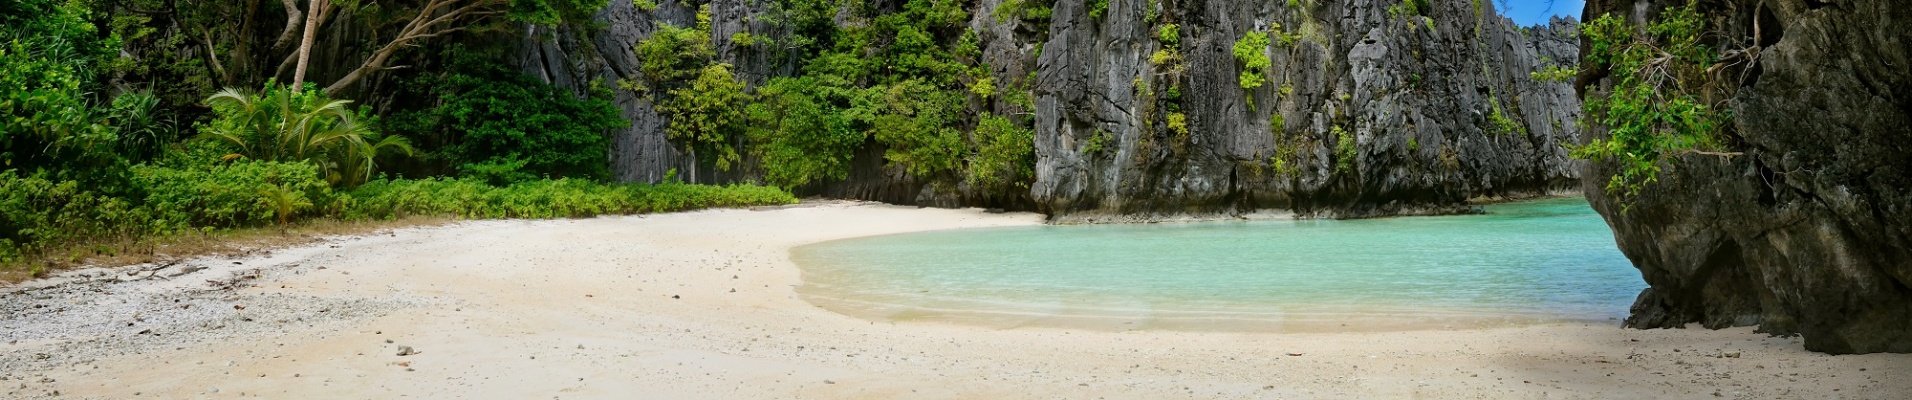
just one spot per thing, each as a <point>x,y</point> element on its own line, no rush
<point>126,122</point>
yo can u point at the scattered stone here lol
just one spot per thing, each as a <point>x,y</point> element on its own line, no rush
<point>406,351</point>
<point>829,382</point>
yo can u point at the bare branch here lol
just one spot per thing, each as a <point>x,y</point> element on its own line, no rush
<point>212,53</point>
<point>293,21</point>
<point>428,23</point>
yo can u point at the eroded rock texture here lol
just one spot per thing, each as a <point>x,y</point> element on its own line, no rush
<point>1810,230</point>
<point>1415,93</point>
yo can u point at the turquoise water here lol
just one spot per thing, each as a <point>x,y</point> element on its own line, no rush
<point>1522,263</point>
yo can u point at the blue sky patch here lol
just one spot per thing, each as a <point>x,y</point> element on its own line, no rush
<point>1536,12</point>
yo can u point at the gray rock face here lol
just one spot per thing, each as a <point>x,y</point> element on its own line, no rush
<point>567,57</point>
<point>1810,231</point>
<point>1415,94</point>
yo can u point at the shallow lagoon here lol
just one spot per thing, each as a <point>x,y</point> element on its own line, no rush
<point>1522,263</point>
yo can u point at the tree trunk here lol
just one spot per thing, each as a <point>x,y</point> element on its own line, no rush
<point>305,45</point>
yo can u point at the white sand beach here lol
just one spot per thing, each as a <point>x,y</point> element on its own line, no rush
<point>704,305</point>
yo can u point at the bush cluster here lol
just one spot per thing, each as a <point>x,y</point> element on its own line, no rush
<point>38,213</point>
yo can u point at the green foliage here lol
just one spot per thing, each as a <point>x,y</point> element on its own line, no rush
<point>1252,52</point>
<point>1408,8</point>
<point>709,114</point>
<point>917,125</point>
<point>497,124</point>
<point>910,79</point>
<point>543,199</point>
<point>229,195</point>
<point>743,39</point>
<point>1178,124</point>
<point>800,134</point>
<point>1654,109</point>
<point>37,214</point>
<point>1170,35</point>
<point>673,54</point>
<point>1553,73</point>
<point>1164,57</point>
<point>1344,149</point>
<point>36,211</point>
<point>1097,8</point>
<point>1501,123</point>
<point>1097,142</point>
<point>278,124</point>
<point>55,113</point>
<point>645,5</point>
<point>1005,157</point>
<point>984,88</point>
<point>551,12</point>
<point>1026,10</point>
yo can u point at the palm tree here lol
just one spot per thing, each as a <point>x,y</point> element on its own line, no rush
<point>358,157</point>
<point>282,125</point>
<point>284,202</point>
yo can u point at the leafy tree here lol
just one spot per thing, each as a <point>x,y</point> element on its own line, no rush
<point>800,134</point>
<point>709,114</point>
<point>1654,109</point>
<point>1004,158</point>
<point>47,51</point>
<point>907,77</point>
<point>495,123</point>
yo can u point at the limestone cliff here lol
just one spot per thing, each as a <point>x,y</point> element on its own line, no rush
<point>1436,106</point>
<point>1366,111</point>
<point>1810,230</point>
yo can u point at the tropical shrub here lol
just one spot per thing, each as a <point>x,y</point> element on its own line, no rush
<point>229,195</point>
<point>36,211</point>
<point>555,198</point>
<point>281,124</point>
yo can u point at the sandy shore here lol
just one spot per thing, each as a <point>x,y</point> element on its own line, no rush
<point>703,305</point>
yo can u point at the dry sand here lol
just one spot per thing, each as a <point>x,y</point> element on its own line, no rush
<point>703,305</point>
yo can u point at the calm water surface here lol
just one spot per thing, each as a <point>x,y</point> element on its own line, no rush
<point>1523,263</point>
